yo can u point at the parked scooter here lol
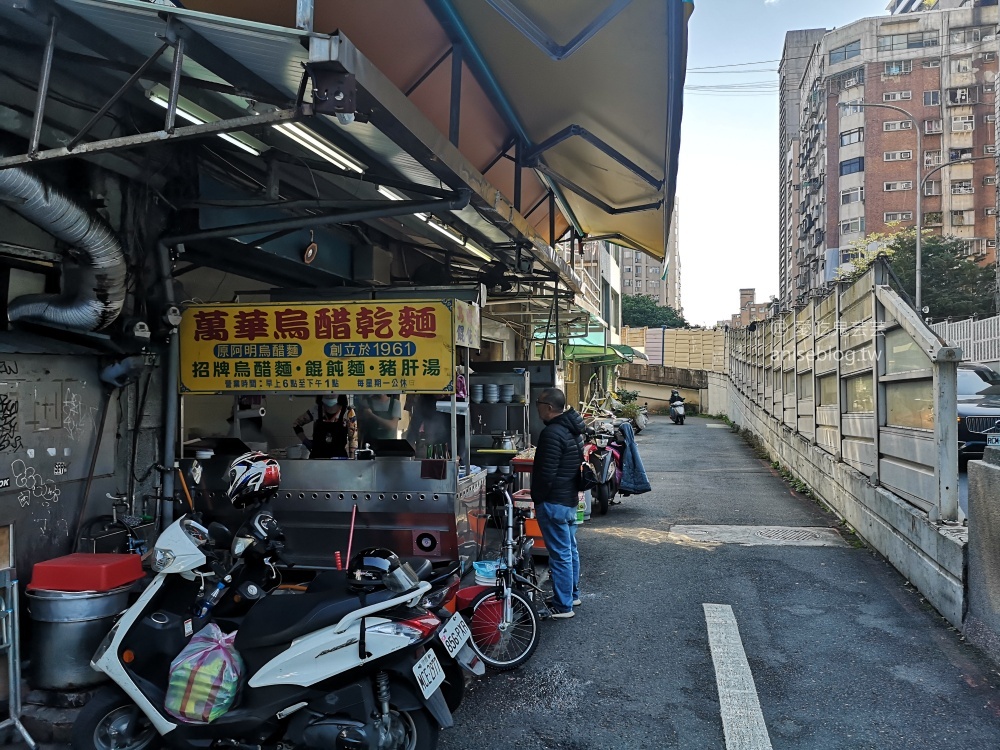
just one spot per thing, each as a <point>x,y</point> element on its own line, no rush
<point>676,408</point>
<point>604,454</point>
<point>334,669</point>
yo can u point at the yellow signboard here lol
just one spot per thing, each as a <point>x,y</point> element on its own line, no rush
<point>402,347</point>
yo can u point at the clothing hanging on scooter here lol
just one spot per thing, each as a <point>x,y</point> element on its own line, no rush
<point>634,479</point>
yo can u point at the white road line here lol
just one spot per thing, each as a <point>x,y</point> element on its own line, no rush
<point>742,719</point>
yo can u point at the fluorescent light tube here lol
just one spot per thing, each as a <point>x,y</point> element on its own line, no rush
<point>195,120</point>
<point>390,193</point>
<point>319,146</point>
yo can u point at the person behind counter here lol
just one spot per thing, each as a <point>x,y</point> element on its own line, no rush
<point>335,434</point>
<point>379,415</point>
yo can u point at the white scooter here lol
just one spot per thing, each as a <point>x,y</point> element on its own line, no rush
<point>677,411</point>
<point>336,669</point>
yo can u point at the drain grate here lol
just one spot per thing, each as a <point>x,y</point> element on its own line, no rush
<point>787,535</point>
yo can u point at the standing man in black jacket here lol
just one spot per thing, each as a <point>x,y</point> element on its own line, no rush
<point>554,481</point>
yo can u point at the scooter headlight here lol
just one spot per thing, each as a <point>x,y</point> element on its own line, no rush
<point>601,441</point>
<point>162,559</point>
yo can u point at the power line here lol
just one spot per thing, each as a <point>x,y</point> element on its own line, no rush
<point>969,48</point>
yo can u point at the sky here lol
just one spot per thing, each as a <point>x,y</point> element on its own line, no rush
<point>728,178</point>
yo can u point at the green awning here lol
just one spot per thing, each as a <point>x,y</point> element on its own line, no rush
<point>594,355</point>
<point>629,352</point>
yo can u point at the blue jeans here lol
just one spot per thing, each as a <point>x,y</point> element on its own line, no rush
<point>558,525</point>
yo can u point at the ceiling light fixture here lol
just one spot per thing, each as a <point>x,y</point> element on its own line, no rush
<point>187,114</point>
<point>319,146</point>
<point>471,245</point>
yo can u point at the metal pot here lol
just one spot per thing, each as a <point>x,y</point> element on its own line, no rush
<point>503,441</point>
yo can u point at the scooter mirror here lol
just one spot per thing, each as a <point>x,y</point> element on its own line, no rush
<point>241,544</point>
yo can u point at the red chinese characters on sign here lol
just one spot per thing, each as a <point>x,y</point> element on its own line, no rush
<point>291,324</point>
<point>250,324</point>
<point>210,325</point>
<point>332,323</point>
<point>377,322</point>
<point>417,322</point>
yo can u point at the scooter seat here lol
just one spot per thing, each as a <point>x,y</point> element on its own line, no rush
<point>336,580</point>
<point>276,620</point>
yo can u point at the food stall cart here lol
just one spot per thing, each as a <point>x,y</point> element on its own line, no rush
<point>418,505</point>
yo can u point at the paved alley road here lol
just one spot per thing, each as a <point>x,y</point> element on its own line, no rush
<point>841,651</point>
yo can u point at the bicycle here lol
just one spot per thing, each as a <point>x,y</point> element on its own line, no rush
<point>504,620</point>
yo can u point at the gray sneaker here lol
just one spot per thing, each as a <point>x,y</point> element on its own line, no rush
<point>562,615</point>
<point>577,602</point>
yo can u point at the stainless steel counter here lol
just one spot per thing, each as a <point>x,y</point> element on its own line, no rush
<point>416,508</point>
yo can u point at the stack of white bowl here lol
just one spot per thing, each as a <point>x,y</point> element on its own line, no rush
<point>476,393</point>
<point>506,393</point>
<point>491,393</point>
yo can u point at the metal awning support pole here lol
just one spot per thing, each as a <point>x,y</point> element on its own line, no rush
<point>555,301</point>
<point>455,105</point>
<point>43,86</point>
<point>552,220</point>
<point>175,85</point>
<point>133,79</point>
<point>304,15</point>
<point>518,150</point>
<point>171,405</point>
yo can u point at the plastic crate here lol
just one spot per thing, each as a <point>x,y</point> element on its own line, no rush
<point>86,572</point>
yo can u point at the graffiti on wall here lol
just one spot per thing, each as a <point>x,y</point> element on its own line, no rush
<point>10,440</point>
<point>34,487</point>
<point>8,367</point>
<point>77,417</point>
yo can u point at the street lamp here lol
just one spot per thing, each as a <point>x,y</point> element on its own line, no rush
<point>918,184</point>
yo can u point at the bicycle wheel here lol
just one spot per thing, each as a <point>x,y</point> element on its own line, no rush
<point>509,648</point>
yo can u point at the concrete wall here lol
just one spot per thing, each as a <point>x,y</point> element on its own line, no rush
<point>932,556</point>
<point>982,620</point>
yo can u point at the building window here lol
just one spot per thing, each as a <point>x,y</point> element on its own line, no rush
<point>990,180</point>
<point>898,68</point>
<point>628,282</point>
<point>962,187</point>
<point>933,126</point>
<point>989,212</point>
<point>989,150</point>
<point>962,96</point>
<point>963,218</point>
<point>852,166</point>
<point>846,52</point>
<point>932,63</point>
<point>958,154</point>
<point>989,88</point>
<point>897,155</point>
<point>892,187</point>
<point>852,136</point>
<point>932,158</point>
<point>638,270</point>
<point>932,98</point>
<point>628,269</point>
<point>851,107</point>
<point>895,216</point>
<point>897,96</point>
<point>963,123</point>
<point>853,226</point>
<point>933,219</point>
<point>961,36</point>
<point>892,125</point>
<point>906,41</point>
<point>961,65</point>
<point>854,195</point>
<point>932,187</point>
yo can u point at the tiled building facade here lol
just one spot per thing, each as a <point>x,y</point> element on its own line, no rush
<point>859,167</point>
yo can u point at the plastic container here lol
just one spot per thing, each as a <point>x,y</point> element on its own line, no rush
<point>67,628</point>
<point>486,572</point>
<point>86,572</point>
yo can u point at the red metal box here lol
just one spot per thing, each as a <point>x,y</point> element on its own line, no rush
<point>86,572</point>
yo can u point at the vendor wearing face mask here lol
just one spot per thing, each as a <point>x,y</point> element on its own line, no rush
<point>335,433</point>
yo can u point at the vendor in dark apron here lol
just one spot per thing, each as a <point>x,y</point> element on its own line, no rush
<point>335,429</point>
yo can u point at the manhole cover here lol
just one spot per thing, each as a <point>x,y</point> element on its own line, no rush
<point>787,535</point>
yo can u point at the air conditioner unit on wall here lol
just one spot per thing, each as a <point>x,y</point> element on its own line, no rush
<point>850,83</point>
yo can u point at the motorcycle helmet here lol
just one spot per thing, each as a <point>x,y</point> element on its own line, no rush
<point>253,478</point>
<point>378,567</point>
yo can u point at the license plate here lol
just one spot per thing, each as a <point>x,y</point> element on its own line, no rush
<point>429,673</point>
<point>993,440</point>
<point>454,634</point>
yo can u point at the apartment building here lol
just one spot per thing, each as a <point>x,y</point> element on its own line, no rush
<point>858,168</point>
<point>642,274</point>
<point>750,309</point>
<point>897,7</point>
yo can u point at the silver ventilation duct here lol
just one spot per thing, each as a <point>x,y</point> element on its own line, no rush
<point>93,297</point>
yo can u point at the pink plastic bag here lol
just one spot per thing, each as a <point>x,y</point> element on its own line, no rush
<point>204,677</point>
